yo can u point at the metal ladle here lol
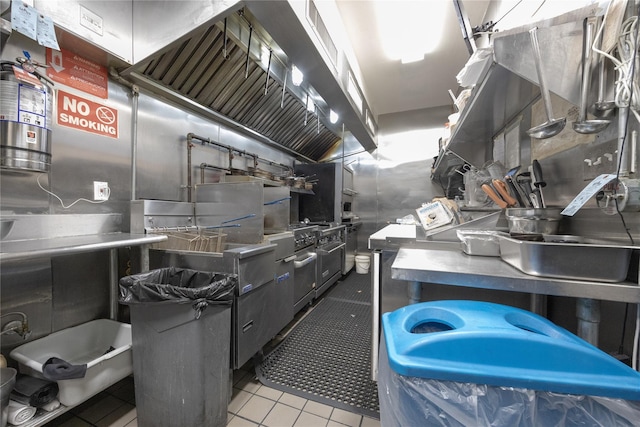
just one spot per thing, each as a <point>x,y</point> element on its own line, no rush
<point>552,126</point>
<point>602,108</point>
<point>583,125</point>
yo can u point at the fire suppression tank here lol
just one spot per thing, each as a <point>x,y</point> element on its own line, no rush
<point>26,109</point>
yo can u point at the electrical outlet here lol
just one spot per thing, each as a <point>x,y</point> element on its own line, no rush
<point>101,190</point>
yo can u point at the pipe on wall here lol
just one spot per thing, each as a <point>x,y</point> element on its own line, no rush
<point>135,93</point>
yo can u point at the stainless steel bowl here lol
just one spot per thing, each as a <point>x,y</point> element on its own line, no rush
<point>533,221</point>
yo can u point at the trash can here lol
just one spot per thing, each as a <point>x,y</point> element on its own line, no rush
<point>181,336</point>
<point>463,363</point>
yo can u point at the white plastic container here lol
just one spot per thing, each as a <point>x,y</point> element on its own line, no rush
<point>103,344</point>
<point>362,264</point>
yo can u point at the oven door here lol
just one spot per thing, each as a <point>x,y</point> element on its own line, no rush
<point>330,257</point>
<point>304,276</point>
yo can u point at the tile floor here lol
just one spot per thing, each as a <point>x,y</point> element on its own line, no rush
<point>252,404</point>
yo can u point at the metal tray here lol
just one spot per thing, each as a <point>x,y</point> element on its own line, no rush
<point>567,257</point>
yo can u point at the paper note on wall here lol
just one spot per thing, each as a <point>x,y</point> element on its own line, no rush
<point>588,192</point>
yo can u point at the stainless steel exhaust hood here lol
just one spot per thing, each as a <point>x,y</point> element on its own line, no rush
<point>235,69</point>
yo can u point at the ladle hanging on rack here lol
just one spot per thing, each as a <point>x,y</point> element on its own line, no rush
<point>552,126</point>
<point>583,125</point>
<point>601,108</point>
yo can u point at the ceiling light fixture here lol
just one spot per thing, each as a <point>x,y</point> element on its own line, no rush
<point>333,116</point>
<point>404,33</point>
<point>296,76</point>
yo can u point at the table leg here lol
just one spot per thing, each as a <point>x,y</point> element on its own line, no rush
<point>588,313</point>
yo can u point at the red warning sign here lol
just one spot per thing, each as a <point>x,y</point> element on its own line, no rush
<point>83,114</point>
<point>77,72</point>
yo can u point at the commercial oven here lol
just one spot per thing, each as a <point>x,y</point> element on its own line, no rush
<point>331,254</point>
<point>305,265</point>
<point>282,297</point>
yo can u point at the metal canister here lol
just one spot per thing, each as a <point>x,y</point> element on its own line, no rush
<point>26,110</point>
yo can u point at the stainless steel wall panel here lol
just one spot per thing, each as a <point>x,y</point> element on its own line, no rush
<point>159,23</point>
<point>26,286</point>
<point>113,34</point>
<point>217,203</point>
<point>83,157</point>
<point>80,288</point>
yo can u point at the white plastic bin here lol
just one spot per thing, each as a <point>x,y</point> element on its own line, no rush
<point>103,344</point>
<point>362,264</point>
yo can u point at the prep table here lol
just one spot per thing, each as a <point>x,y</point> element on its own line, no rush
<point>403,261</point>
<point>452,267</point>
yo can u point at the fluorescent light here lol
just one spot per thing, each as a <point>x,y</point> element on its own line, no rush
<point>333,116</point>
<point>409,29</point>
<point>296,76</point>
<point>354,93</point>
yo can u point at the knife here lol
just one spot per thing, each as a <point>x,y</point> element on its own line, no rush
<point>493,196</point>
<point>504,193</point>
<point>516,191</point>
<point>538,181</point>
<point>524,183</point>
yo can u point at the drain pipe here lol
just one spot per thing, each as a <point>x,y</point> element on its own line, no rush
<point>204,166</point>
<point>135,92</point>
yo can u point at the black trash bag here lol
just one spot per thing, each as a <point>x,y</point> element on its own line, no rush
<point>178,285</point>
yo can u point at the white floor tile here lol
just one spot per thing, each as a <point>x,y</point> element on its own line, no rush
<point>293,400</point>
<point>256,409</point>
<point>319,409</point>
<point>369,422</point>
<point>281,416</point>
<point>269,393</point>
<point>249,384</point>
<point>345,417</point>
<point>241,422</point>
<point>238,400</point>
<point>309,420</point>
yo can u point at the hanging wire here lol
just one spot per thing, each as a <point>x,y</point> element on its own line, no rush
<point>96,202</point>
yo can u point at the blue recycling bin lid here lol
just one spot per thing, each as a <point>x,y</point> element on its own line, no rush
<point>493,344</point>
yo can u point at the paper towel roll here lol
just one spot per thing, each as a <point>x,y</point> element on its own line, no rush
<point>20,413</point>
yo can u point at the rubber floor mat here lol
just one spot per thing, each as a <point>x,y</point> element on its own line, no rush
<point>327,355</point>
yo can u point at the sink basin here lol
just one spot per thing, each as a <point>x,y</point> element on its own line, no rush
<point>568,257</point>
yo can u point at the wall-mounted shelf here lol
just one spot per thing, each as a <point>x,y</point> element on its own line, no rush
<point>495,102</point>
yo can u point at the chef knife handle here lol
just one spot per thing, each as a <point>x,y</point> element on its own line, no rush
<point>493,196</point>
<point>504,193</point>
<point>538,180</point>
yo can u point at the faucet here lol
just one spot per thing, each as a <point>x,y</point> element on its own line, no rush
<point>20,327</point>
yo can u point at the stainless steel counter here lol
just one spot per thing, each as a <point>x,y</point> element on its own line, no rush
<point>451,267</point>
<point>39,248</point>
<point>16,250</point>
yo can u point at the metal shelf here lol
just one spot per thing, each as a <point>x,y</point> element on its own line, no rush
<point>500,97</point>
